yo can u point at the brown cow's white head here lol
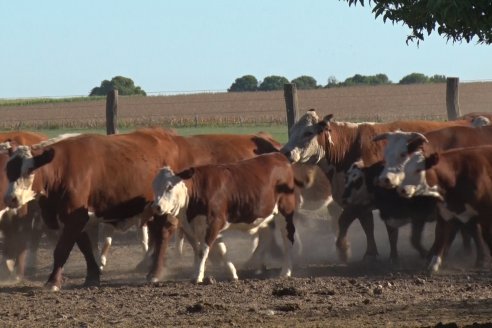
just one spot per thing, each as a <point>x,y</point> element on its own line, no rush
<point>415,180</point>
<point>20,174</point>
<point>303,145</point>
<point>396,153</point>
<point>170,192</point>
<point>355,191</point>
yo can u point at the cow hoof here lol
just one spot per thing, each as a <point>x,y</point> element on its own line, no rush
<point>94,282</point>
<point>344,255</point>
<point>154,280</point>
<point>395,261</point>
<point>52,287</point>
<point>434,265</point>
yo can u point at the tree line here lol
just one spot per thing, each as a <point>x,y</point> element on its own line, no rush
<point>305,82</point>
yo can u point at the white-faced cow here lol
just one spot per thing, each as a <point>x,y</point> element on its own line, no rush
<point>342,144</point>
<point>213,198</point>
<point>461,179</point>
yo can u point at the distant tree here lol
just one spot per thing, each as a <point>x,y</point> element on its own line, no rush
<point>437,78</point>
<point>332,82</point>
<point>244,83</point>
<point>124,85</point>
<point>458,20</point>
<point>414,78</point>
<point>359,79</point>
<point>305,82</point>
<point>273,82</point>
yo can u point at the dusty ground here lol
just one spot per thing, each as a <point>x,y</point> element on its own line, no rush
<point>322,292</point>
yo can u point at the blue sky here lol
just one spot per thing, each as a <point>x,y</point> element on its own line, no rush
<point>64,48</point>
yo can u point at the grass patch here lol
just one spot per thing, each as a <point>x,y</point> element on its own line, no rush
<point>278,132</point>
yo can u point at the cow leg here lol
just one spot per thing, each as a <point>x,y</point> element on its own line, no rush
<point>161,229</point>
<point>416,237</point>
<point>487,236</point>
<point>93,271</point>
<point>288,242</point>
<point>367,222</point>
<point>393,240</point>
<point>287,206</point>
<point>180,237</point>
<point>35,240</point>
<point>343,245</point>
<point>70,233</point>
<point>474,230</point>
<point>107,234</point>
<point>221,247</point>
<point>466,237</point>
<point>444,235</point>
<point>263,240</point>
<point>144,238</point>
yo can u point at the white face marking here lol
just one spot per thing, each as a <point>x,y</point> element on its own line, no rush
<point>464,216</point>
<point>356,192</point>
<point>395,157</point>
<point>21,189</point>
<point>303,143</point>
<point>415,182</point>
<point>170,193</point>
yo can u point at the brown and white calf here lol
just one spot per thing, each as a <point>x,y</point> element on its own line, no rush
<point>461,179</point>
<point>213,198</point>
<point>342,143</point>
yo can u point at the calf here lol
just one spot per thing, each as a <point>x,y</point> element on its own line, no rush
<point>460,179</point>
<point>210,199</point>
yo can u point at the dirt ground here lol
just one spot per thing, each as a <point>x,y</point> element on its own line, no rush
<point>322,293</point>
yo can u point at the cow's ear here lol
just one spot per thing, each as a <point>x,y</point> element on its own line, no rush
<point>431,160</point>
<point>328,118</point>
<point>186,174</point>
<point>416,142</point>
<point>44,158</point>
<point>379,137</point>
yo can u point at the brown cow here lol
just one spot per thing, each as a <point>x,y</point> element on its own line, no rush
<point>343,143</point>
<point>461,179</point>
<point>21,228</point>
<point>111,176</point>
<point>210,199</point>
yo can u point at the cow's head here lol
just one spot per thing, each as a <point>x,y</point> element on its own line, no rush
<point>170,192</point>
<point>356,191</point>
<point>415,180</point>
<point>400,145</point>
<point>304,144</point>
<point>20,174</point>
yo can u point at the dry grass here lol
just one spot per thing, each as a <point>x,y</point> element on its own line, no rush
<point>373,103</point>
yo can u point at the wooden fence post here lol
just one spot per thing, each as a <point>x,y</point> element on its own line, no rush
<point>452,98</point>
<point>291,104</point>
<point>112,112</point>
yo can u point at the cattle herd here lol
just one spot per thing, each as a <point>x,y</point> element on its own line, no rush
<point>196,188</point>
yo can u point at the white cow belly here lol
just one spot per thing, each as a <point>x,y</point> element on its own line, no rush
<point>464,216</point>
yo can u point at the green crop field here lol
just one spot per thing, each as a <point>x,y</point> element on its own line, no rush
<point>278,132</point>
